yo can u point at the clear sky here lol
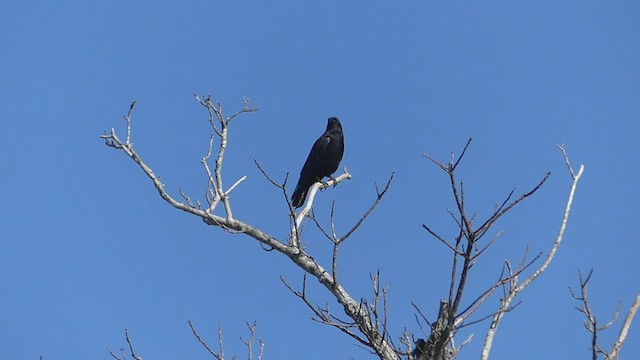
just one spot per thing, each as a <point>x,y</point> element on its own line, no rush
<point>87,248</point>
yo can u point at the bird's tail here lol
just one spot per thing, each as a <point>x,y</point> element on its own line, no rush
<point>300,194</point>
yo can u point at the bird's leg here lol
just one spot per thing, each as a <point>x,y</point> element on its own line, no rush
<point>335,183</point>
<point>326,184</point>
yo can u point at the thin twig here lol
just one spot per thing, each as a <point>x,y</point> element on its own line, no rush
<point>325,317</point>
<point>204,343</point>
<point>566,160</point>
<point>482,229</point>
<point>379,196</point>
<point>442,240</point>
<point>133,353</point>
<point>464,150</point>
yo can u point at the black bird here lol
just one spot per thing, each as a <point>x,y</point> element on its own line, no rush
<point>323,160</point>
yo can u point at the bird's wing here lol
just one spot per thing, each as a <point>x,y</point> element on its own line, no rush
<point>317,152</point>
<point>324,141</point>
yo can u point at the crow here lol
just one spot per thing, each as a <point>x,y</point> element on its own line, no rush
<point>323,160</point>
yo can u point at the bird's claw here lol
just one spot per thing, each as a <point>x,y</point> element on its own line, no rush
<point>326,184</point>
<point>335,182</point>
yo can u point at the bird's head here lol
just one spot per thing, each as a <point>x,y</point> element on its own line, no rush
<point>334,123</point>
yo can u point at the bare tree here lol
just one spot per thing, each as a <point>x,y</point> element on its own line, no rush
<point>595,328</point>
<point>364,320</point>
<point>361,325</point>
<point>467,247</point>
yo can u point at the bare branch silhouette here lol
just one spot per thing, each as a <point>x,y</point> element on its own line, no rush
<point>467,247</point>
<point>372,336</point>
<point>367,320</point>
<point>595,328</point>
<point>129,343</point>
<point>516,288</point>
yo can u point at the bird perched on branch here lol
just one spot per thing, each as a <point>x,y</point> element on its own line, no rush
<point>323,160</point>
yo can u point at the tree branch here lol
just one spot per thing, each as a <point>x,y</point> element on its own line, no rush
<point>615,351</point>
<point>352,308</point>
<point>129,343</point>
<point>219,356</point>
<point>516,289</point>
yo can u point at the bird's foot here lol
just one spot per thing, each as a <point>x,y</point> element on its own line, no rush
<point>335,182</point>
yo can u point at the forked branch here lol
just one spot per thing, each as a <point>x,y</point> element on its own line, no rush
<point>467,248</point>
<point>134,356</point>
<point>517,288</point>
<point>595,328</point>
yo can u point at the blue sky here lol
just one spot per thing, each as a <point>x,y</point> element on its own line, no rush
<point>87,248</point>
